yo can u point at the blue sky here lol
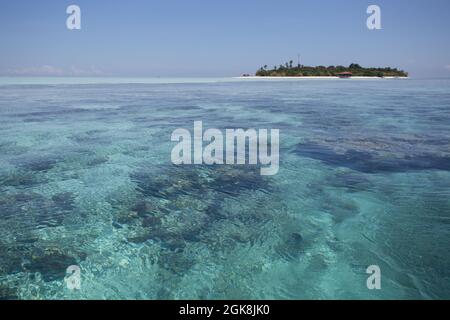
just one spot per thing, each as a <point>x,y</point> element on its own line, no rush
<point>219,38</point>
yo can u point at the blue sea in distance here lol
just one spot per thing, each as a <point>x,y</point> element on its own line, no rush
<point>86,179</point>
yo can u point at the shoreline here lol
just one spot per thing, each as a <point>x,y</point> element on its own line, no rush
<point>315,77</point>
<point>6,81</point>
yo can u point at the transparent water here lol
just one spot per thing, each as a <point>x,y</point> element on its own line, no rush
<point>86,179</point>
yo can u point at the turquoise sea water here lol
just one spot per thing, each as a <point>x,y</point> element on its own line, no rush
<point>86,179</point>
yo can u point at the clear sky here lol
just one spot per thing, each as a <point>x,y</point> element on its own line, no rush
<point>220,37</point>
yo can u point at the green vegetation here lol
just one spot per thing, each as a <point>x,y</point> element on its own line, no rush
<point>288,70</point>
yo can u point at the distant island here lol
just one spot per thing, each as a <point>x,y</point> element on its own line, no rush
<point>353,70</point>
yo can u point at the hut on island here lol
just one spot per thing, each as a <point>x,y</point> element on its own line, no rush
<point>344,75</point>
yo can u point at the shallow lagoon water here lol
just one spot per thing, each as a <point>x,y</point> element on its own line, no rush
<point>86,179</point>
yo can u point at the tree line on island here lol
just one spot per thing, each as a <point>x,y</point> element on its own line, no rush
<point>289,70</point>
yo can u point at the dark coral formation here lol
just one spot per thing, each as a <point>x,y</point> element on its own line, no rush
<point>371,162</point>
<point>8,293</point>
<point>178,207</point>
<point>20,179</point>
<point>28,210</point>
<point>50,262</point>
<point>21,250</point>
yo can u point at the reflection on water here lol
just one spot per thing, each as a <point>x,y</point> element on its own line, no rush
<point>86,179</point>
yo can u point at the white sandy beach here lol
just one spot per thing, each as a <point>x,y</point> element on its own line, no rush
<point>315,78</point>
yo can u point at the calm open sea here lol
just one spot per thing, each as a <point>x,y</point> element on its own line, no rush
<point>86,179</point>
